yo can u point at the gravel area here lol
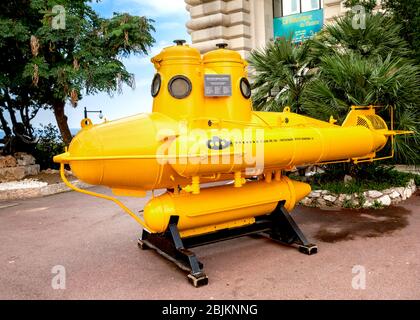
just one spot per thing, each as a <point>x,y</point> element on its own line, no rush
<point>38,181</point>
<point>23,184</point>
<point>51,178</point>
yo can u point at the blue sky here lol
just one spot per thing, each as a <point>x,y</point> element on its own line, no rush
<point>170,17</point>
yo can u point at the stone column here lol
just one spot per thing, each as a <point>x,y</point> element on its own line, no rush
<point>261,22</point>
<point>215,21</point>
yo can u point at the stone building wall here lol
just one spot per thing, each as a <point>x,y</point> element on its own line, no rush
<point>219,21</point>
<point>242,24</point>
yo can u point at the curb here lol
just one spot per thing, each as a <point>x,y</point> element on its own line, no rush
<point>365,200</point>
<point>30,193</point>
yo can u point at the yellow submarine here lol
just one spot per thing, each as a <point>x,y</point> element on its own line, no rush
<point>220,162</point>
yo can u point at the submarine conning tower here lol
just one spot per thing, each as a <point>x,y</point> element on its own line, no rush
<point>208,88</point>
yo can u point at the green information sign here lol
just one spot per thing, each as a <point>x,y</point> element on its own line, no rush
<point>299,26</point>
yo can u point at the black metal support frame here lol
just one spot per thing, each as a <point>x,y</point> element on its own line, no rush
<point>278,226</point>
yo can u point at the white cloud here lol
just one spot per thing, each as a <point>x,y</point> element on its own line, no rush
<point>156,7</point>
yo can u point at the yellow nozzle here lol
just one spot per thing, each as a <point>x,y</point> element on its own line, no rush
<point>62,158</point>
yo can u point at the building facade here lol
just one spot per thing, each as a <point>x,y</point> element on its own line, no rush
<point>249,24</point>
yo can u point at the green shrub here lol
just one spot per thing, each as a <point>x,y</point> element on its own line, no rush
<point>416,178</point>
<point>49,145</point>
<point>348,204</point>
<point>362,200</point>
<point>377,205</point>
<point>365,177</point>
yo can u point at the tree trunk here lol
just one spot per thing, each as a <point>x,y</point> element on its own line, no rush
<point>4,124</point>
<point>62,124</point>
<point>12,115</point>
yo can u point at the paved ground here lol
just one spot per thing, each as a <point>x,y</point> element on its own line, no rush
<point>96,243</point>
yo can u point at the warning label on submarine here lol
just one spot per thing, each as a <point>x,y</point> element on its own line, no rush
<point>217,85</point>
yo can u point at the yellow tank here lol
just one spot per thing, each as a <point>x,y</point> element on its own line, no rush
<point>243,206</point>
<point>203,129</point>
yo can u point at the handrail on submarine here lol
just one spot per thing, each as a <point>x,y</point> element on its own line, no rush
<point>102,196</point>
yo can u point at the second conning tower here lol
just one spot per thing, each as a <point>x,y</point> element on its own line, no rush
<point>207,88</point>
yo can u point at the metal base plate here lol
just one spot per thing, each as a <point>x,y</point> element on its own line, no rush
<point>278,226</point>
<point>309,249</point>
<point>198,280</point>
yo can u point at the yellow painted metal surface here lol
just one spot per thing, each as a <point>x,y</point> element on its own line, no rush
<point>173,61</point>
<point>222,205</point>
<point>198,138</point>
<point>235,107</point>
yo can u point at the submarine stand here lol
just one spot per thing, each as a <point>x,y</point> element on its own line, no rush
<point>278,226</point>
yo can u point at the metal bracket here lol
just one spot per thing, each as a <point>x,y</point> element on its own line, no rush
<point>170,245</point>
<point>286,231</point>
<point>278,226</point>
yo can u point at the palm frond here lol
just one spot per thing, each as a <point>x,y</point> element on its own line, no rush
<point>281,72</point>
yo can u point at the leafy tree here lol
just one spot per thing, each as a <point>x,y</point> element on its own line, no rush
<point>407,13</point>
<point>17,97</point>
<point>67,61</point>
<point>49,143</point>
<point>281,73</point>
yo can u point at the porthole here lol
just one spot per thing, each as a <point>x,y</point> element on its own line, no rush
<point>180,87</point>
<point>245,88</point>
<point>156,83</point>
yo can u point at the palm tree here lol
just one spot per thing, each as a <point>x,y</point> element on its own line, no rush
<point>380,36</point>
<point>350,79</point>
<point>340,67</point>
<point>366,67</point>
<point>281,71</point>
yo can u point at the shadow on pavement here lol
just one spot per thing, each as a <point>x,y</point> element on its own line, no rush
<point>335,225</point>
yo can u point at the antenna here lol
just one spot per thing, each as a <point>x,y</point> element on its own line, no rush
<point>222,45</point>
<point>179,42</point>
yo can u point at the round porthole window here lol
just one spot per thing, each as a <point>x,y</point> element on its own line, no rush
<point>180,87</point>
<point>156,82</point>
<point>245,88</point>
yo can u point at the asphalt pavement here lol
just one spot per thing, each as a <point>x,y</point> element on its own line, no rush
<point>92,245</point>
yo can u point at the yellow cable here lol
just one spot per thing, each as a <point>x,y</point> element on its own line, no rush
<point>102,196</point>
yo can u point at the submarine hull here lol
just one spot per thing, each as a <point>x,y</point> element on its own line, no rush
<point>147,152</point>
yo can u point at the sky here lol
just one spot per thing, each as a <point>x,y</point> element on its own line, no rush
<point>170,18</point>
